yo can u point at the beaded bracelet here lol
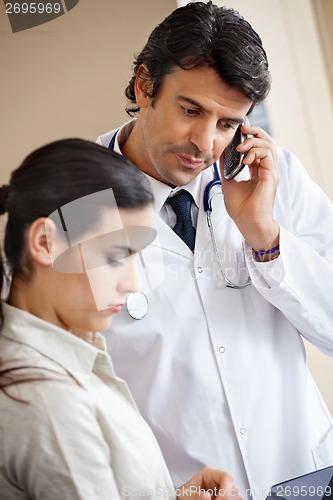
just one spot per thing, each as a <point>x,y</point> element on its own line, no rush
<point>260,253</point>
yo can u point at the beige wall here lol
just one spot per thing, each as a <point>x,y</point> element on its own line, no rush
<point>323,11</point>
<point>67,77</point>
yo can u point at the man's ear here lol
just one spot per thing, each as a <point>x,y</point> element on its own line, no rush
<point>41,235</point>
<point>143,87</point>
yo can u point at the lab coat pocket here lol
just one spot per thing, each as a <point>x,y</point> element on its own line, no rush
<point>323,454</point>
<point>263,309</point>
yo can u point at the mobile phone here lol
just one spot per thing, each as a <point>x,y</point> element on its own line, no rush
<point>233,160</point>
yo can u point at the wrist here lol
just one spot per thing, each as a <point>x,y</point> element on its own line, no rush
<point>261,237</point>
<point>266,255</point>
<point>265,246</point>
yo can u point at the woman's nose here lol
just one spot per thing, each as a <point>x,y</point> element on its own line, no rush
<point>130,281</point>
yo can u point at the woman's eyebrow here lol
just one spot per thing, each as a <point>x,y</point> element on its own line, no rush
<point>124,248</point>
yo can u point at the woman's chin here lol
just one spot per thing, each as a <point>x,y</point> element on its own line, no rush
<point>104,322</point>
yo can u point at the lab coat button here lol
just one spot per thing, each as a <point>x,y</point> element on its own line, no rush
<point>199,269</point>
<point>243,431</point>
<point>222,349</point>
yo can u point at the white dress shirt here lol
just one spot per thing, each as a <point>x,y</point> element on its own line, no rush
<point>78,435</point>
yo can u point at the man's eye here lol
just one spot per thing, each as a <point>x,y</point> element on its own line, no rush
<point>228,126</point>
<point>190,111</point>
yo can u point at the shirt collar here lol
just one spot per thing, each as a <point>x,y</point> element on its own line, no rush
<point>160,190</point>
<point>77,356</point>
<point>121,135</point>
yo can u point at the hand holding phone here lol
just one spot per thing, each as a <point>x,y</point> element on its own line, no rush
<point>233,160</point>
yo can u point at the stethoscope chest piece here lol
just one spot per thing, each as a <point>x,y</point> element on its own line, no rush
<point>137,305</point>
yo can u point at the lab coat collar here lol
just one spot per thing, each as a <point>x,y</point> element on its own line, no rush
<point>122,133</point>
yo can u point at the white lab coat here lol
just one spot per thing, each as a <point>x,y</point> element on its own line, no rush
<point>220,374</point>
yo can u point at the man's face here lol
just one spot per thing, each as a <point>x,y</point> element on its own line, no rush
<point>187,126</point>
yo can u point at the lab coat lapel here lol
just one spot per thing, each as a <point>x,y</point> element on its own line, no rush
<point>168,239</point>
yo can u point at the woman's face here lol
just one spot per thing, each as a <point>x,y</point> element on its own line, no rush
<point>86,301</point>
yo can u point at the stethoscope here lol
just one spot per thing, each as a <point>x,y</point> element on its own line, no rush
<point>137,303</point>
<point>207,203</point>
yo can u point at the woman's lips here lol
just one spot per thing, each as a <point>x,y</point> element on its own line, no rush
<point>115,308</point>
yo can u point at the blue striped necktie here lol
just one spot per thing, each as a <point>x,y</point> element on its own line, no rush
<point>181,204</point>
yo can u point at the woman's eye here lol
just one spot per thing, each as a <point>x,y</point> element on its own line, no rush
<point>115,261</point>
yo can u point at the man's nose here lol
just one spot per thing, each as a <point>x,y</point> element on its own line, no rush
<point>203,136</point>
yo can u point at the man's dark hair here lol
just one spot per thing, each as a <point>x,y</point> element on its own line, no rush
<point>205,35</point>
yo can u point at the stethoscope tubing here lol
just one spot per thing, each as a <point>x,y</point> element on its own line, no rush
<point>215,182</point>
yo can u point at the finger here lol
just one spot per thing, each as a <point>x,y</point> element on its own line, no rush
<point>222,484</point>
<point>228,490</point>
<point>253,142</point>
<point>258,155</point>
<point>259,133</point>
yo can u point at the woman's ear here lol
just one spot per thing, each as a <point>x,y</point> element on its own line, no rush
<point>41,235</point>
<point>143,87</point>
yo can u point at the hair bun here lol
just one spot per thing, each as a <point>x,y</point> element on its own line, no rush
<point>3,198</point>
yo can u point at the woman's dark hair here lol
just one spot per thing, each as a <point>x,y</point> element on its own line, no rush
<point>55,175</point>
<point>203,34</point>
